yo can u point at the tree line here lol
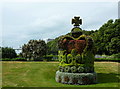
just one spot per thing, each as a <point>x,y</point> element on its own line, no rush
<point>106,39</point>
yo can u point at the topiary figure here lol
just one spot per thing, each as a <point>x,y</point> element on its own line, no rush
<point>76,55</point>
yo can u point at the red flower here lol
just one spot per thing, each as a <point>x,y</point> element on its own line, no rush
<point>79,45</point>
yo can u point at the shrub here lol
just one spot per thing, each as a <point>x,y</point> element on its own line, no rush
<point>7,59</point>
<point>55,58</point>
<point>48,57</point>
<point>8,52</point>
<point>13,59</point>
<point>20,59</point>
<point>116,55</point>
<point>108,59</point>
<point>37,59</point>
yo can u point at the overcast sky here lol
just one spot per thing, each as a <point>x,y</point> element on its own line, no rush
<point>42,20</point>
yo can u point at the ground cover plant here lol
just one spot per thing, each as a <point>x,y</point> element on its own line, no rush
<point>42,74</point>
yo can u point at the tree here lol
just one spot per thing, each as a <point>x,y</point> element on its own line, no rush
<point>8,52</point>
<point>34,50</point>
<point>114,45</point>
<point>52,47</point>
<point>107,38</point>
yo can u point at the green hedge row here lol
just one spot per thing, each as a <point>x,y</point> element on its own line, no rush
<point>108,59</point>
<point>51,59</point>
<point>45,58</point>
<point>13,59</point>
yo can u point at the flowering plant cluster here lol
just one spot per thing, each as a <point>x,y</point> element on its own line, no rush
<point>78,45</point>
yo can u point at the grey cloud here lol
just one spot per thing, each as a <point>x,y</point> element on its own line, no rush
<point>50,20</point>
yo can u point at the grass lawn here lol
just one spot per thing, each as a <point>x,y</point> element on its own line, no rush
<point>42,74</point>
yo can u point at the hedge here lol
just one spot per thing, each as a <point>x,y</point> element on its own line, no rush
<point>50,59</point>
<point>108,59</point>
<point>13,59</point>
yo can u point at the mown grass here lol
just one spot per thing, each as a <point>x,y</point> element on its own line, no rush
<point>42,74</point>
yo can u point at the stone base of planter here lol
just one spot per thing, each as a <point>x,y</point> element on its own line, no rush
<point>76,78</point>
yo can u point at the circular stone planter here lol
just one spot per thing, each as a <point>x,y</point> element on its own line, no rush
<point>76,78</point>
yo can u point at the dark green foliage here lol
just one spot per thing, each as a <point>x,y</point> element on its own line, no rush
<point>20,59</point>
<point>8,59</point>
<point>89,32</point>
<point>52,47</point>
<point>88,58</point>
<point>13,59</point>
<point>116,55</point>
<point>8,52</point>
<point>108,59</point>
<point>107,38</point>
<point>34,50</point>
<point>50,58</point>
